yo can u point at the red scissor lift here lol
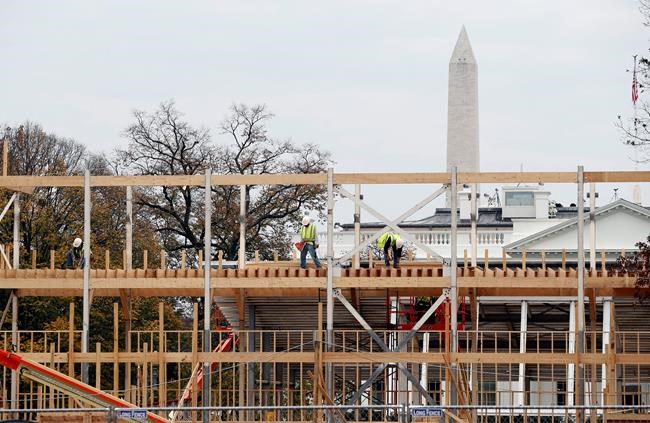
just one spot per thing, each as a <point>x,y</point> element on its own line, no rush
<point>412,311</point>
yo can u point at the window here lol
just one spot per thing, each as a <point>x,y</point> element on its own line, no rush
<point>520,199</point>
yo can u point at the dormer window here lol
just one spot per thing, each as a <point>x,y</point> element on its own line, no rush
<point>520,199</point>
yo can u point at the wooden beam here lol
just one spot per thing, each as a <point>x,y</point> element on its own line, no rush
<point>321,179</point>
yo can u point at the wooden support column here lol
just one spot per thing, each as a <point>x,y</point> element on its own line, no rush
<point>329,374</point>
<point>86,277</point>
<point>16,249</point>
<point>242,226</point>
<point>71,348</point>
<point>162,367</point>
<point>580,377</point>
<point>116,349</point>
<point>125,294</point>
<point>593,398</point>
<point>127,316</point>
<point>129,228</point>
<point>195,354</point>
<point>474,315</point>
<point>241,311</point>
<point>357,225</point>
<point>451,388</point>
<point>592,228</point>
<point>145,376</point>
<point>15,383</point>
<point>207,292</point>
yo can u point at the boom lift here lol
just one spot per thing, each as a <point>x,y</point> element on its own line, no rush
<point>87,394</point>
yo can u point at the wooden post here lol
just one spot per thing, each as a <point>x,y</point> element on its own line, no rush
<point>523,260</point>
<point>195,353</point>
<point>275,256</point>
<point>107,259</point>
<point>564,259</point>
<point>200,259</point>
<point>34,259</point>
<point>603,263</point>
<point>162,368</point>
<point>51,259</point>
<point>183,259</point>
<point>116,350</point>
<point>98,365</point>
<point>504,260</point>
<point>220,259</point>
<point>257,256</point>
<point>145,365</point>
<point>145,259</point>
<point>71,348</point>
<point>318,363</point>
<point>124,266</point>
<point>465,261</point>
<point>52,367</point>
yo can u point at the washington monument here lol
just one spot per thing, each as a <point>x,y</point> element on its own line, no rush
<point>462,112</point>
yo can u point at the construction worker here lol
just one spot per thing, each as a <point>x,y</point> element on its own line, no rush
<point>309,237</point>
<point>75,257</point>
<point>392,241</point>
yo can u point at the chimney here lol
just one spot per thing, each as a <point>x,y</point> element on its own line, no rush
<point>465,204</point>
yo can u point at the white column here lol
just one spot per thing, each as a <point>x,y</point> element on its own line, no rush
<point>474,218</point>
<point>521,381</point>
<point>571,368</point>
<point>607,328</point>
<point>424,368</point>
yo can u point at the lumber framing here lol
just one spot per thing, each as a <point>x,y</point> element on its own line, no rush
<point>259,359</point>
<point>26,182</point>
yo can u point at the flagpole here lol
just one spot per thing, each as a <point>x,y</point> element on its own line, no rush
<point>634,99</point>
<point>636,190</point>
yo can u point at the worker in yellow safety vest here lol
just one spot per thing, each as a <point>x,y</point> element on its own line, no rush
<point>309,237</point>
<point>391,241</point>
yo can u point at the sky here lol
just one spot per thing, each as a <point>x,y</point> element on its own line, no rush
<point>365,80</point>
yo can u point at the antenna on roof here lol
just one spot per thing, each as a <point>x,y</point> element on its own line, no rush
<point>615,196</point>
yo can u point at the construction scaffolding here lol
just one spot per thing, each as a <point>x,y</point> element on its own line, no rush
<point>340,340</point>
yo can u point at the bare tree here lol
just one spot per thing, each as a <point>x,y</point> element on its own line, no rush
<point>50,215</point>
<point>163,143</point>
<point>273,211</point>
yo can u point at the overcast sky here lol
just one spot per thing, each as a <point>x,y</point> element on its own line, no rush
<point>366,80</point>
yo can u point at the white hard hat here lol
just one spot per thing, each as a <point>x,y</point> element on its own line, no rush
<point>399,243</point>
<point>76,243</point>
<point>306,220</point>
